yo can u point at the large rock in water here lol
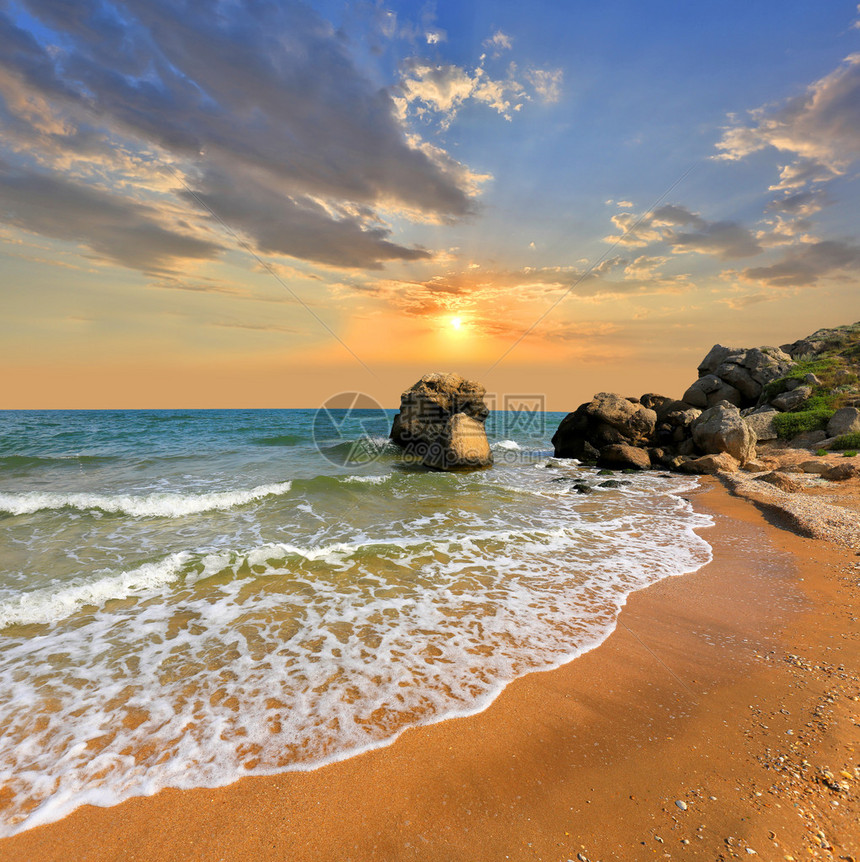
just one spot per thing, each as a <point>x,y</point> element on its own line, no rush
<point>606,420</point>
<point>721,428</point>
<point>441,421</point>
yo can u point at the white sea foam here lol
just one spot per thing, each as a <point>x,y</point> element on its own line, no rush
<point>511,445</point>
<point>165,505</point>
<point>285,655</point>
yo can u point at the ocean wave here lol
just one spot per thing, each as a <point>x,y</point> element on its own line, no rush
<point>52,604</point>
<point>510,445</point>
<point>279,440</point>
<point>23,462</point>
<point>158,505</point>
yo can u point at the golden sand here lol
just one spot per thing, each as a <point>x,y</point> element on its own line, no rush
<point>733,690</point>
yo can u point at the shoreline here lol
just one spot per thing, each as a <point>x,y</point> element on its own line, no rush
<point>536,775</point>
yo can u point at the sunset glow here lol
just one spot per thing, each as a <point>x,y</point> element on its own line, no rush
<point>190,222</point>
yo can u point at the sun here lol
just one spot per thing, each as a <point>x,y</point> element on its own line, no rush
<point>456,322</point>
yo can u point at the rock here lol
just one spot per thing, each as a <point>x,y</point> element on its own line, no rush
<point>654,402</point>
<point>793,399</point>
<point>681,804</point>
<point>709,465</point>
<point>621,455</point>
<point>612,483</point>
<point>804,348</point>
<point>741,379</point>
<point>605,420</point>
<point>717,355</point>
<point>841,472</point>
<point>761,422</point>
<point>721,428</point>
<point>754,466</point>
<point>815,466</point>
<point>811,380</point>
<point>809,440</point>
<point>844,421</point>
<point>781,481</point>
<point>710,390</point>
<point>441,420</point>
<point>633,421</point>
<point>766,364</point>
<point>688,447</point>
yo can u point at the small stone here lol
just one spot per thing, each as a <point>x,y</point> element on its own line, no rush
<point>751,851</point>
<point>681,804</point>
<point>712,798</point>
<point>658,839</point>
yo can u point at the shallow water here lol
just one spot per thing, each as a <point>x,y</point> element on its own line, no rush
<point>189,597</point>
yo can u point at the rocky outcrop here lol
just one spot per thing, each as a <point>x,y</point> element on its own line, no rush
<point>737,401</point>
<point>721,428</point>
<point>746,372</point>
<point>844,421</point>
<point>441,421</point>
<point>606,420</point>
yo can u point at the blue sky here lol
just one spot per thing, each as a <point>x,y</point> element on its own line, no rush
<point>264,203</point>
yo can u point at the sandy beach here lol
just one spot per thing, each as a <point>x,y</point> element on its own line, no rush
<point>719,720</point>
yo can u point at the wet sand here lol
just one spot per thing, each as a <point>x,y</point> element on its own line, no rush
<point>734,691</point>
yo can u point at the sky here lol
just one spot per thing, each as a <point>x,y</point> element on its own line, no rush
<point>264,204</point>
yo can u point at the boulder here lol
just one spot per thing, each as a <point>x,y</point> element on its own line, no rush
<point>793,399</point>
<point>741,378</point>
<point>709,465</point>
<point>721,428</point>
<point>781,481</point>
<point>605,420</point>
<point>756,466</point>
<point>815,466</point>
<point>710,390</point>
<point>654,402</point>
<point>620,455</point>
<point>809,440</point>
<point>841,472</point>
<point>632,420</point>
<point>766,364</point>
<point>844,421</point>
<point>441,420</point>
<point>761,422</point>
<point>804,348</point>
<point>716,356</point>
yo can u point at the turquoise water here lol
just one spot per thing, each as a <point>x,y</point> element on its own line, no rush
<point>187,597</point>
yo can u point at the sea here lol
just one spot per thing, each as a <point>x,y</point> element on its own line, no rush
<point>190,597</point>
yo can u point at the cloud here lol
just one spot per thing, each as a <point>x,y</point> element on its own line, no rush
<point>821,127</point>
<point>806,263</point>
<point>800,204</point>
<point>725,240</point>
<point>740,302</point>
<point>499,41</point>
<point>114,227</point>
<point>275,95</point>
<point>427,88</point>
<point>296,226</point>
<point>547,83</point>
